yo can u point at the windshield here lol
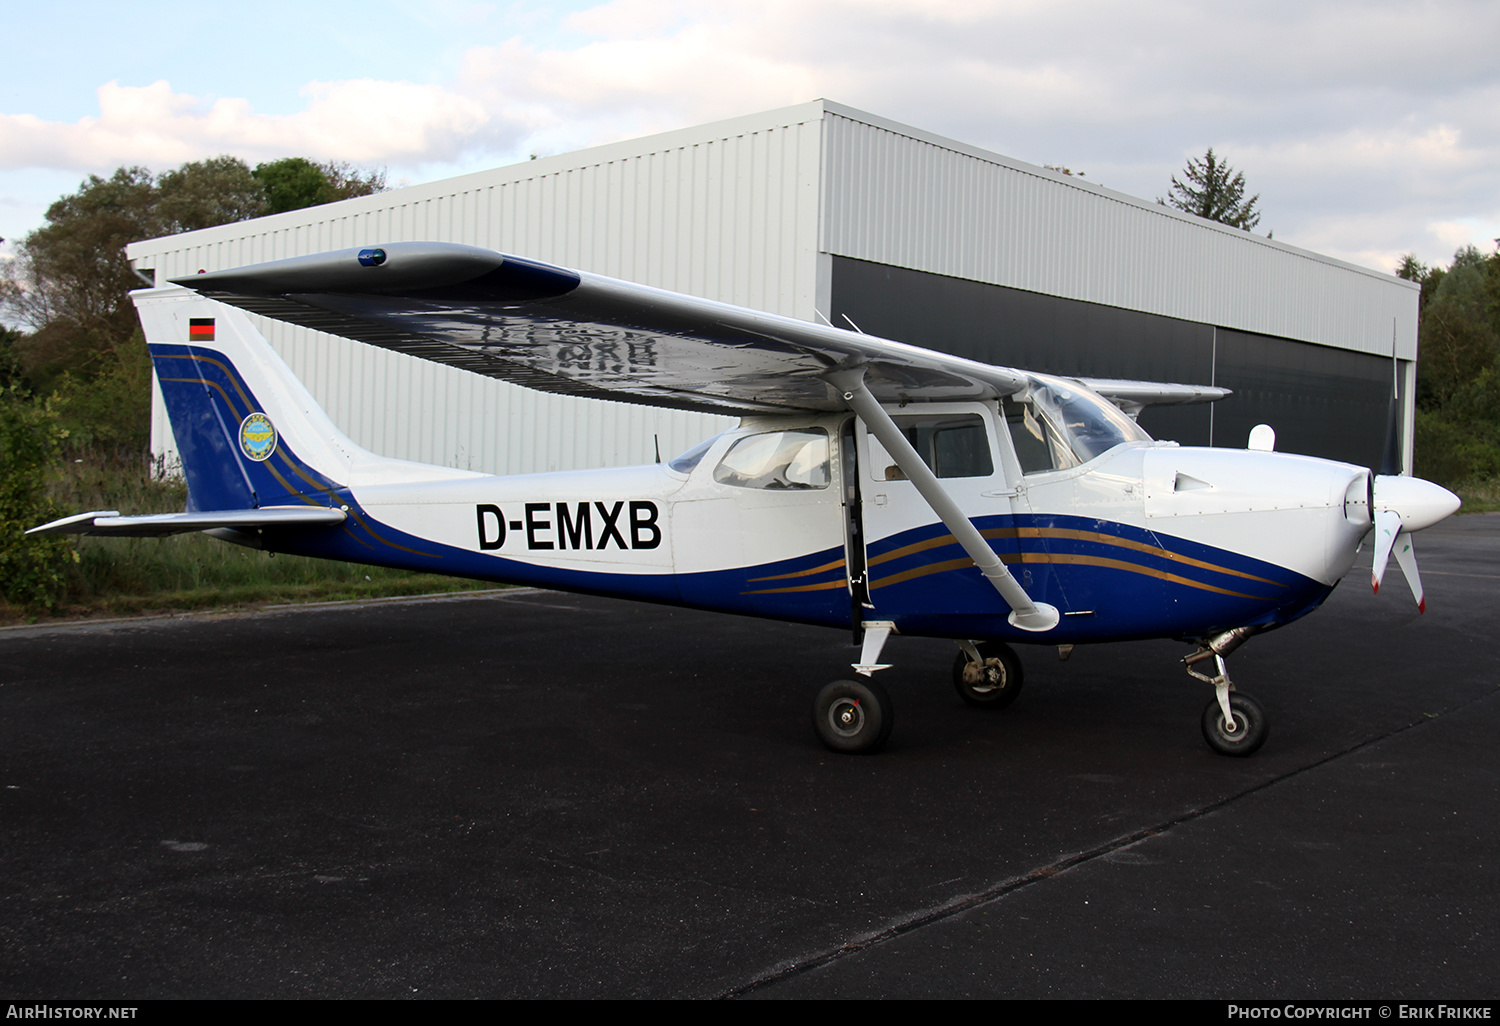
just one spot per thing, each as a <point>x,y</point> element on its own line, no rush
<point>1073,424</point>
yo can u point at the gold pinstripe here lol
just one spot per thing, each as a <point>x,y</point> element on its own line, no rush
<point>233,378</point>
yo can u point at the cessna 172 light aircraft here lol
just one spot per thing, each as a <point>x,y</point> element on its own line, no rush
<point>870,485</point>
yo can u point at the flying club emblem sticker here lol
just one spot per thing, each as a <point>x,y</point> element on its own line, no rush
<point>257,437</point>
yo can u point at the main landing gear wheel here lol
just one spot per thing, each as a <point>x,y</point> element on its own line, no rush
<point>1250,726</point>
<point>853,716</point>
<point>994,681</point>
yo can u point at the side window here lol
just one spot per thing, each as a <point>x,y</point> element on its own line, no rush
<point>777,460</point>
<point>1038,448</point>
<point>952,445</point>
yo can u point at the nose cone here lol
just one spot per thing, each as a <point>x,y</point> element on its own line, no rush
<point>1419,503</point>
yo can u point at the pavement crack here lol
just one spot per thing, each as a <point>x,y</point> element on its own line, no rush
<point>968,902</point>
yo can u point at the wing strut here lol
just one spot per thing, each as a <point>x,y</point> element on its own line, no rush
<point>1025,614</point>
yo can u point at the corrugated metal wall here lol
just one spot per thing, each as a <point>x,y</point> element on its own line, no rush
<point>895,195</point>
<point>746,211</point>
<point>726,211</point>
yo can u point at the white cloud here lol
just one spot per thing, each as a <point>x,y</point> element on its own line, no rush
<point>363,121</point>
<point>1363,123</point>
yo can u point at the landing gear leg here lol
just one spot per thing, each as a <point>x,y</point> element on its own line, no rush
<point>1234,723</point>
<point>856,716</point>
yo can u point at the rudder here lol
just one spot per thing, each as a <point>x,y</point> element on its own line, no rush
<point>248,433</point>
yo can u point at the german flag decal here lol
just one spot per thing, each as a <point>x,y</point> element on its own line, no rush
<point>200,329</point>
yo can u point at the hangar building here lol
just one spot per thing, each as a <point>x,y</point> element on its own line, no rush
<point>822,211</point>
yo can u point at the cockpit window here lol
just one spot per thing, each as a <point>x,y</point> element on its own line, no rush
<point>1056,425</point>
<point>777,460</point>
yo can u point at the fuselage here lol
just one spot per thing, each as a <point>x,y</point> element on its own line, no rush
<point>801,519</point>
<point>804,516</point>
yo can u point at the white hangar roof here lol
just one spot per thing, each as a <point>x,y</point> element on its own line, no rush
<point>753,211</point>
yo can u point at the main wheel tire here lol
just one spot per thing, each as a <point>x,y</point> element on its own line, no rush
<point>1251,726</point>
<point>992,683</point>
<point>854,717</point>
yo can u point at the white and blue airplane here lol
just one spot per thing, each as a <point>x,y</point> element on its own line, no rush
<point>870,485</point>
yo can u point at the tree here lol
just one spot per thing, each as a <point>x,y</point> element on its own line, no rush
<point>1458,368</point>
<point>70,279</point>
<point>1459,334</point>
<point>1214,190</point>
<point>32,567</point>
<point>206,193</point>
<point>1412,269</point>
<point>296,182</point>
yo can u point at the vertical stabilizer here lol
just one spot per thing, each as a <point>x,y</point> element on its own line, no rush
<point>248,432</point>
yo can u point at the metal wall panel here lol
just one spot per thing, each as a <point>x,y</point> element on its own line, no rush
<point>726,211</point>
<point>753,211</point>
<point>895,195</point>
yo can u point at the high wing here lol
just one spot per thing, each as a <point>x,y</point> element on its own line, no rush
<point>574,333</point>
<point>158,525</point>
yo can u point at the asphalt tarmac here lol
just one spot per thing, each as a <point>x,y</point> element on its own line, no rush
<point>532,794</point>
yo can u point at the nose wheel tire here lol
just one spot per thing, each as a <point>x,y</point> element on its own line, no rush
<point>993,682</point>
<point>854,717</point>
<point>1250,726</point>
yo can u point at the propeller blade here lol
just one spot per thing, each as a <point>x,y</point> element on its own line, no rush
<point>1406,556</point>
<point>1387,527</point>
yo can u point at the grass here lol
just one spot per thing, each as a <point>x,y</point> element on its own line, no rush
<point>140,576</point>
<point>1479,496</point>
<point>137,576</point>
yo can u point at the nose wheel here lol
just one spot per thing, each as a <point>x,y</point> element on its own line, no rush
<point>1233,723</point>
<point>1242,732</point>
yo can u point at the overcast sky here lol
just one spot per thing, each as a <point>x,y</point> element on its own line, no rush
<point>1369,129</point>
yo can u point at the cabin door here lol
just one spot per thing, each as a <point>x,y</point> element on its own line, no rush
<point>913,565</point>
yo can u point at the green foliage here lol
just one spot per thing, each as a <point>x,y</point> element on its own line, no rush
<point>1459,337</point>
<point>1452,451</point>
<point>190,571</point>
<point>108,416</point>
<point>206,193</point>
<point>296,182</point>
<point>70,279</point>
<point>1458,371</point>
<point>10,357</point>
<point>33,570</point>
<point>1214,190</point>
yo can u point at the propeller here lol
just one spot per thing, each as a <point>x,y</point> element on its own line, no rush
<point>1400,506</point>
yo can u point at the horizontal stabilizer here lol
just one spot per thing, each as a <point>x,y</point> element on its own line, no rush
<point>1134,396</point>
<point>157,525</point>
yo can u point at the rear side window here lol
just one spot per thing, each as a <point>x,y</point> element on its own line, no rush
<point>952,445</point>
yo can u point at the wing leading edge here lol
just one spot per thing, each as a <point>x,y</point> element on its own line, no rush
<point>557,330</point>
